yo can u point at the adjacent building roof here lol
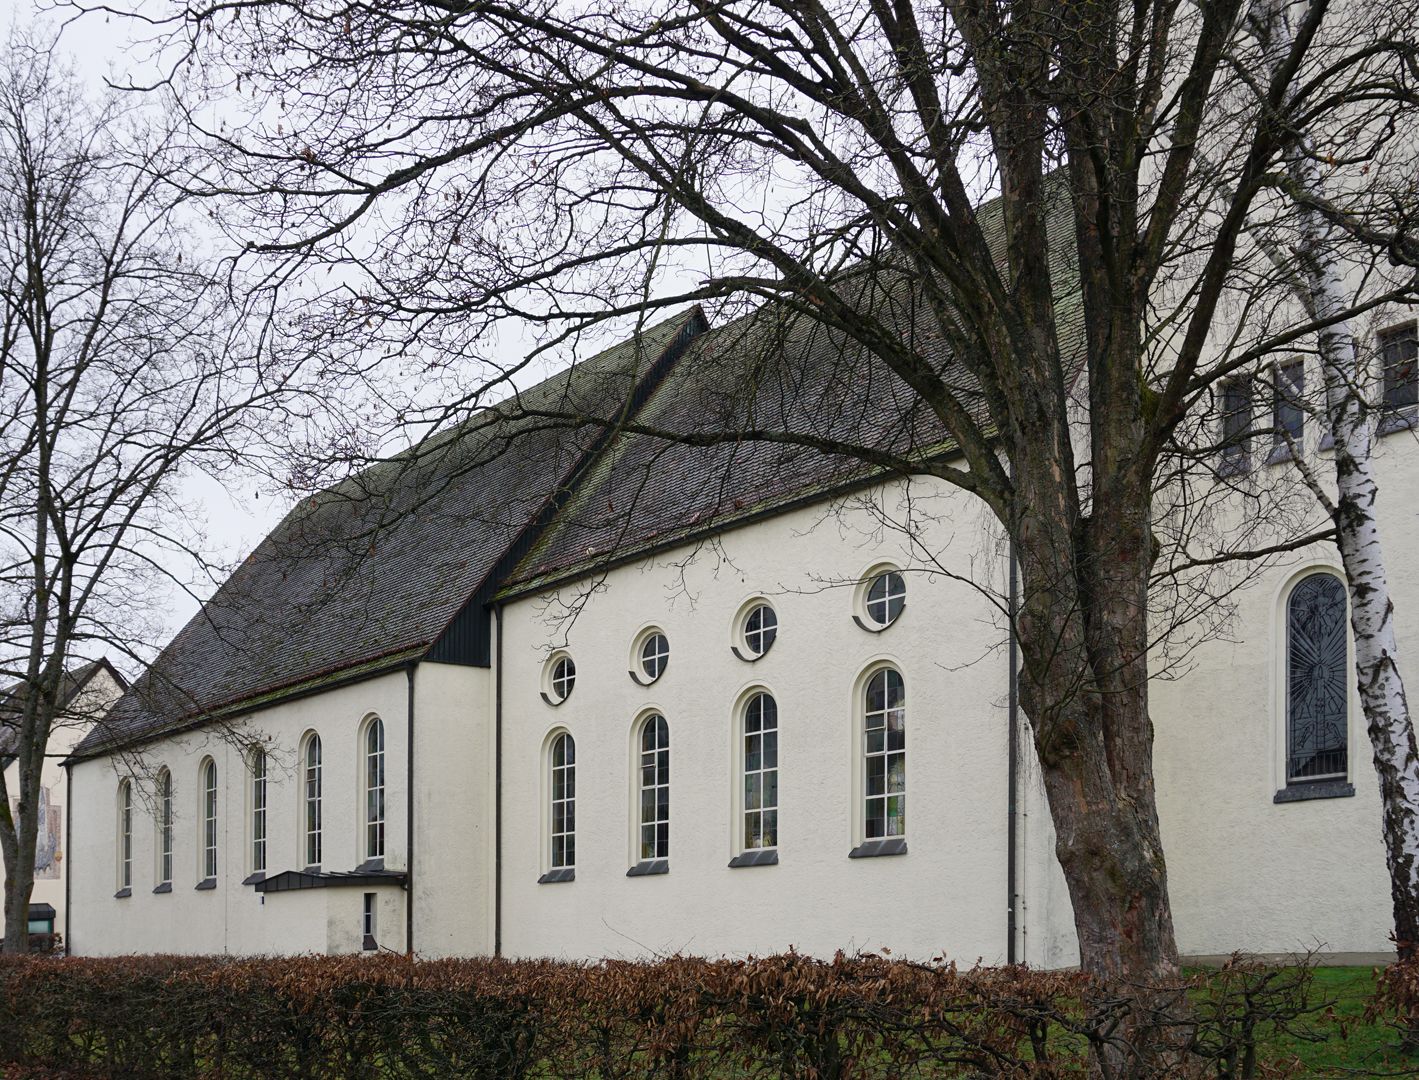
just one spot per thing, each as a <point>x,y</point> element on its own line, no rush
<point>373,572</point>
<point>12,700</point>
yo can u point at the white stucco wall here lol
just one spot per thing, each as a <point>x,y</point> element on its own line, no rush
<point>234,917</point>
<point>1245,872</point>
<point>947,895</point>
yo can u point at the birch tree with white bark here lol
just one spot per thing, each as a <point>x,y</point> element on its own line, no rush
<point>1352,414</point>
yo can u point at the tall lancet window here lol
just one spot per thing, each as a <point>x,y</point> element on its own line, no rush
<point>209,820</point>
<point>125,836</point>
<point>258,810</point>
<point>165,827</point>
<point>885,756</point>
<point>655,789</point>
<point>374,789</point>
<point>563,802</point>
<point>311,770</point>
<point>1317,680</point>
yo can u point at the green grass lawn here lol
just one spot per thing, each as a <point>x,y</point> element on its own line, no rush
<point>1345,1044</point>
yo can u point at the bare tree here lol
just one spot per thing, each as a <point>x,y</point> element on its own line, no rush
<point>1352,414</point>
<point>123,368</point>
<point>460,163</point>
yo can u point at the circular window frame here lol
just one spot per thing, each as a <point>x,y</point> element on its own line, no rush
<point>636,668</point>
<point>861,614</point>
<point>739,631</point>
<point>549,671</point>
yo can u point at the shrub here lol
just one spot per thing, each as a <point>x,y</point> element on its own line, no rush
<point>786,1016</point>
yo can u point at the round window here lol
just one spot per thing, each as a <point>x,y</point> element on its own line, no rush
<point>886,596</point>
<point>654,655</point>
<point>563,678</point>
<point>760,629</point>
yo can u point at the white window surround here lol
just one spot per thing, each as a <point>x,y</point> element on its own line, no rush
<point>258,810</point>
<point>207,817</point>
<point>311,800</point>
<point>558,677</point>
<point>748,737</point>
<point>163,847</point>
<point>754,630</point>
<point>650,655</point>
<point>1339,787</point>
<point>649,794</point>
<point>123,846</point>
<point>547,797</point>
<point>864,845</point>
<point>372,789</point>
<point>881,593</point>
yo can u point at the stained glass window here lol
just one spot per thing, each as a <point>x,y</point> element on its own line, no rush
<point>1317,680</point>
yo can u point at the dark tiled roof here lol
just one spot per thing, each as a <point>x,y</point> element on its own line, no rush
<point>369,573</point>
<point>12,700</point>
<point>773,372</point>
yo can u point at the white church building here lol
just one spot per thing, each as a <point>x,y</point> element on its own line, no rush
<point>573,695</point>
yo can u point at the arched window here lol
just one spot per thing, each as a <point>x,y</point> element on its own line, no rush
<point>164,828</point>
<point>1317,680</point>
<point>885,755</point>
<point>563,762</point>
<point>374,789</point>
<point>125,836</point>
<point>209,820</point>
<point>760,772</point>
<point>655,788</point>
<point>311,772</point>
<point>258,810</point>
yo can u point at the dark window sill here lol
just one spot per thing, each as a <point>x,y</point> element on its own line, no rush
<point>556,877</point>
<point>1321,789</point>
<point>207,883</point>
<point>1280,454</point>
<point>369,865</point>
<point>1407,420</point>
<point>1231,467</point>
<point>123,893</point>
<point>252,879</point>
<point>165,887</point>
<point>369,944</point>
<point>878,628</point>
<point>894,845</point>
<point>649,867</point>
<point>758,857</point>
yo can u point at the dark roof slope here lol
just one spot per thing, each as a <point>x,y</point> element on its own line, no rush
<point>12,700</point>
<point>369,573</point>
<point>770,371</point>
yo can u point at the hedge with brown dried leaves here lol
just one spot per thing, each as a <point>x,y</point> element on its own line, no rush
<point>785,1016</point>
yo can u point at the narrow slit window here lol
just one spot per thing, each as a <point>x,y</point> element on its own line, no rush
<point>1288,413</point>
<point>125,835</point>
<point>1236,421</point>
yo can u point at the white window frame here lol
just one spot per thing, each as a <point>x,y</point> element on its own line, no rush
<point>865,754</point>
<point>312,804</point>
<point>207,846</point>
<point>373,760</point>
<point>558,677</point>
<point>164,845</point>
<point>758,641</point>
<point>125,834</point>
<point>566,801</point>
<point>260,792</point>
<point>659,778</point>
<point>744,773</point>
<point>640,671</point>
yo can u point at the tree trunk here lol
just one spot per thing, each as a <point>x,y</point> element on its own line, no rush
<point>1351,424</point>
<point>17,839</point>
